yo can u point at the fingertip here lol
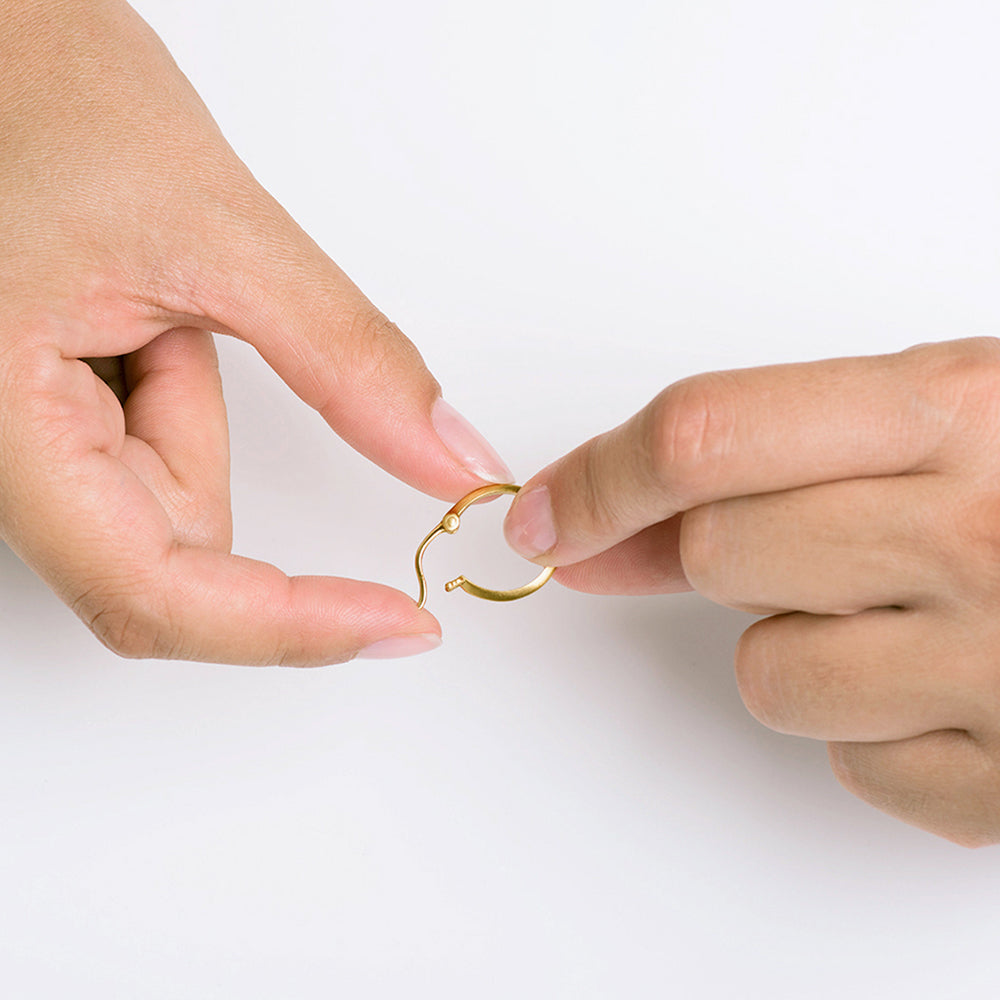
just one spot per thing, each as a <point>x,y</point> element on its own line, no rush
<point>467,445</point>
<point>529,526</point>
<point>396,646</point>
<point>415,631</point>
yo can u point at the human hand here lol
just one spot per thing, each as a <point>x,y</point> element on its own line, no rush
<point>857,503</point>
<point>129,229</point>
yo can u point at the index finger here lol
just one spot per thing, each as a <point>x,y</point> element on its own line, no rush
<point>343,356</point>
<point>751,431</point>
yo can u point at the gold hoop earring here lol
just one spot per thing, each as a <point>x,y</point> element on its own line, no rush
<point>449,524</point>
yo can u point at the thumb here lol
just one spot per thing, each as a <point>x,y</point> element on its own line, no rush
<point>343,357</point>
<point>740,433</point>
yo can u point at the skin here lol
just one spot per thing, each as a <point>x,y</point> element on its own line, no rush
<point>130,229</point>
<point>853,502</point>
<point>856,504</point>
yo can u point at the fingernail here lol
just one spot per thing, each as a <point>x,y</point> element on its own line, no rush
<point>530,528</point>
<point>400,645</point>
<point>468,445</point>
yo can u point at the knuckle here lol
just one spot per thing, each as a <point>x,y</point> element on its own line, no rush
<point>974,362</point>
<point>857,768</point>
<point>972,836</point>
<point>691,431</point>
<point>976,373</point>
<point>372,353</point>
<point>370,328</point>
<point>851,769</point>
<point>376,344</point>
<point>962,378</point>
<point>758,676</point>
<point>118,630</point>
<point>966,351</point>
<point>701,557</point>
<point>917,781</point>
<point>129,624</point>
<point>966,549</point>
<point>605,508</point>
<point>202,520</point>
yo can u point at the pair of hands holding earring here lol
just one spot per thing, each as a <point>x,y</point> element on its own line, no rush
<point>855,503</point>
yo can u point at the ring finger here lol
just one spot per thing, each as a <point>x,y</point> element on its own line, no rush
<point>874,676</point>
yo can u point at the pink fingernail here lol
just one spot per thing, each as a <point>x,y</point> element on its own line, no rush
<point>530,528</point>
<point>400,645</point>
<point>468,445</point>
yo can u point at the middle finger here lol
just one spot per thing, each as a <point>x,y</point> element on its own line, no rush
<point>833,549</point>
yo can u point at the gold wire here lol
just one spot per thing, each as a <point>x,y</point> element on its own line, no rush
<point>449,524</point>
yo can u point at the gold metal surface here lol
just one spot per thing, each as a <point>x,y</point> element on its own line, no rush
<point>450,523</point>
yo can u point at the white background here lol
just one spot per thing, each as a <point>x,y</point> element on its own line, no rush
<point>567,205</point>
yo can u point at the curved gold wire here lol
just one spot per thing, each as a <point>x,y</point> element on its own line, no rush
<point>450,523</point>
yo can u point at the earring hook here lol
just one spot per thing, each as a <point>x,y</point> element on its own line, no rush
<point>449,524</point>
